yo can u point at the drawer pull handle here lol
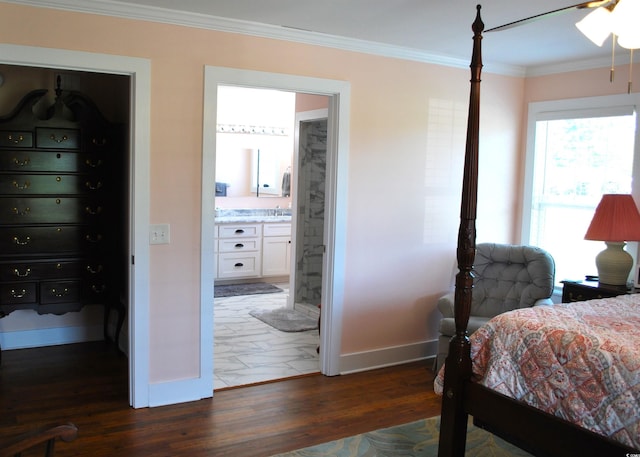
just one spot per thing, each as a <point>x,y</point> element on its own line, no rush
<point>92,186</point>
<point>93,163</point>
<point>101,142</point>
<point>94,271</point>
<point>92,211</point>
<point>53,137</point>
<point>93,238</point>
<point>56,293</point>
<point>24,212</point>
<point>21,187</point>
<point>98,289</point>
<point>20,242</point>
<point>18,294</point>
<point>24,274</point>
<point>17,140</point>
<point>239,245</point>
<point>239,264</point>
<point>240,231</point>
<point>21,163</point>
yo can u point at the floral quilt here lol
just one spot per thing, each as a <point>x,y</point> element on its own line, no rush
<point>579,361</point>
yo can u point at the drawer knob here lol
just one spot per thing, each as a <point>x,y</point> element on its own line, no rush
<point>18,293</point>
<point>59,293</point>
<point>23,186</point>
<point>53,137</point>
<point>239,245</point>
<point>20,242</point>
<point>15,139</point>
<point>93,211</point>
<point>22,274</point>
<point>94,270</point>
<point>92,186</point>
<point>239,264</point>
<point>21,163</point>
<point>93,163</point>
<point>24,212</point>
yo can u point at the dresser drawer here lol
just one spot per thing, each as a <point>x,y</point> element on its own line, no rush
<point>238,265</point>
<point>60,291</point>
<point>36,210</point>
<point>50,161</point>
<point>57,184</point>
<point>238,245</point>
<point>240,231</point>
<point>57,138</point>
<point>18,293</point>
<point>49,240</point>
<point>16,139</point>
<point>18,271</point>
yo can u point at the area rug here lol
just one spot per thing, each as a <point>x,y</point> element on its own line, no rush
<point>416,439</point>
<point>233,290</point>
<point>285,319</point>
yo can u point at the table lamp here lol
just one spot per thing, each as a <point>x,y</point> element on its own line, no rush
<point>615,221</point>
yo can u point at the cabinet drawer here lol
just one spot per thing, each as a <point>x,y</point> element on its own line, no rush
<point>238,265</point>
<point>18,271</point>
<point>49,240</point>
<point>239,245</point>
<point>50,161</point>
<point>29,184</point>
<point>60,291</point>
<point>18,293</point>
<point>240,231</point>
<point>35,210</point>
<point>16,139</point>
<point>57,138</point>
<point>277,230</point>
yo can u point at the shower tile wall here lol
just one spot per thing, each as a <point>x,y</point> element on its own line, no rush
<point>311,202</point>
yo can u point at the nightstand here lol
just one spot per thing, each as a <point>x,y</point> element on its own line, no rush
<point>589,290</point>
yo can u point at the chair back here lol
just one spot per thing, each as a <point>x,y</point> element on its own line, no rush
<point>508,277</point>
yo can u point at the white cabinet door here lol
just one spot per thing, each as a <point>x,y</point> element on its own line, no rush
<point>276,255</point>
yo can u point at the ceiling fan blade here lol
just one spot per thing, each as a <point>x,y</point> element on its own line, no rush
<point>527,20</point>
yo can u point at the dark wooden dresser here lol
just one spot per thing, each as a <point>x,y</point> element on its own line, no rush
<point>61,205</point>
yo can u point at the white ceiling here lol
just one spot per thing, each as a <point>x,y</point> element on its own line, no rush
<point>418,28</point>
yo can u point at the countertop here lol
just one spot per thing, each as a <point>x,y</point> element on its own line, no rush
<point>251,219</point>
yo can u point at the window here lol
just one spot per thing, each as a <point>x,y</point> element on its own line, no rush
<point>577,150</point>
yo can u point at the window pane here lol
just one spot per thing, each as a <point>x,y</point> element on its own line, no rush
<point>576,162</point>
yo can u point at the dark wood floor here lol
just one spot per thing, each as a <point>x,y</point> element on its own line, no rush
<point>87,384</point>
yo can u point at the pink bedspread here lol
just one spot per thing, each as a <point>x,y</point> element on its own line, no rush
<point>579,361</point>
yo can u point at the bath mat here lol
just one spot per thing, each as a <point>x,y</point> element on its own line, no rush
<point>286,320</point>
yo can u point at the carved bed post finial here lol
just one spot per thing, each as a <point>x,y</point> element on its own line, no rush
<point>458,362</point>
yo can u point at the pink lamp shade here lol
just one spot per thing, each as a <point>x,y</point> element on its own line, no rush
<point>616,219</point>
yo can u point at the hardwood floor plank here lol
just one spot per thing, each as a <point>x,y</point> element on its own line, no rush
<point>87,384</point>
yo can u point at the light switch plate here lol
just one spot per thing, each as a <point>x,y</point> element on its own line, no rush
<point>159,234</point>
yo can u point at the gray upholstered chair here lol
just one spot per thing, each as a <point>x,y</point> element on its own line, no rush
<point>506,277</point>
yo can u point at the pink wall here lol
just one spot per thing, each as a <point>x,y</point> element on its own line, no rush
<point>408,126</point>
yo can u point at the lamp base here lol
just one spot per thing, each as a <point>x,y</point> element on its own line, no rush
<point>614,264</point>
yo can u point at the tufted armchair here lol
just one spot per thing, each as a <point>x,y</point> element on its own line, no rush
<point>506,277</point>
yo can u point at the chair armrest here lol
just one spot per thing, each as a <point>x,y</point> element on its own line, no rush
<point>445,304</point>
<point>543,302</point>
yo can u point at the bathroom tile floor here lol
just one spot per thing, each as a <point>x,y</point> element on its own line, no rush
<point>248,351</point>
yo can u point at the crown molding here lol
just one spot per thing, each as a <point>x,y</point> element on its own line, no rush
<point>203,21</point>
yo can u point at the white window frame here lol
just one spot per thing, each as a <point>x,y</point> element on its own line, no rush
<point>578,107</point>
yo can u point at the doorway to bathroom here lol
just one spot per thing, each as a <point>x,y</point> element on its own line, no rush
<point>333,240</point>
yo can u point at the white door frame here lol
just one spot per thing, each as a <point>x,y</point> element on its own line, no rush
<point>336,200</point>
<point>140,72</point>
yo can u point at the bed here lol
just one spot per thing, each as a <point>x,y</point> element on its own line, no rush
<point>524,406</point>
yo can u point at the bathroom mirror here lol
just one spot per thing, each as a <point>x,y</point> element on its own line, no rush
<point>254,142</point>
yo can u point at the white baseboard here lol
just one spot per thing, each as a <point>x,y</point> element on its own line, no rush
<point>386,357</point>
<point>22,339</point>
